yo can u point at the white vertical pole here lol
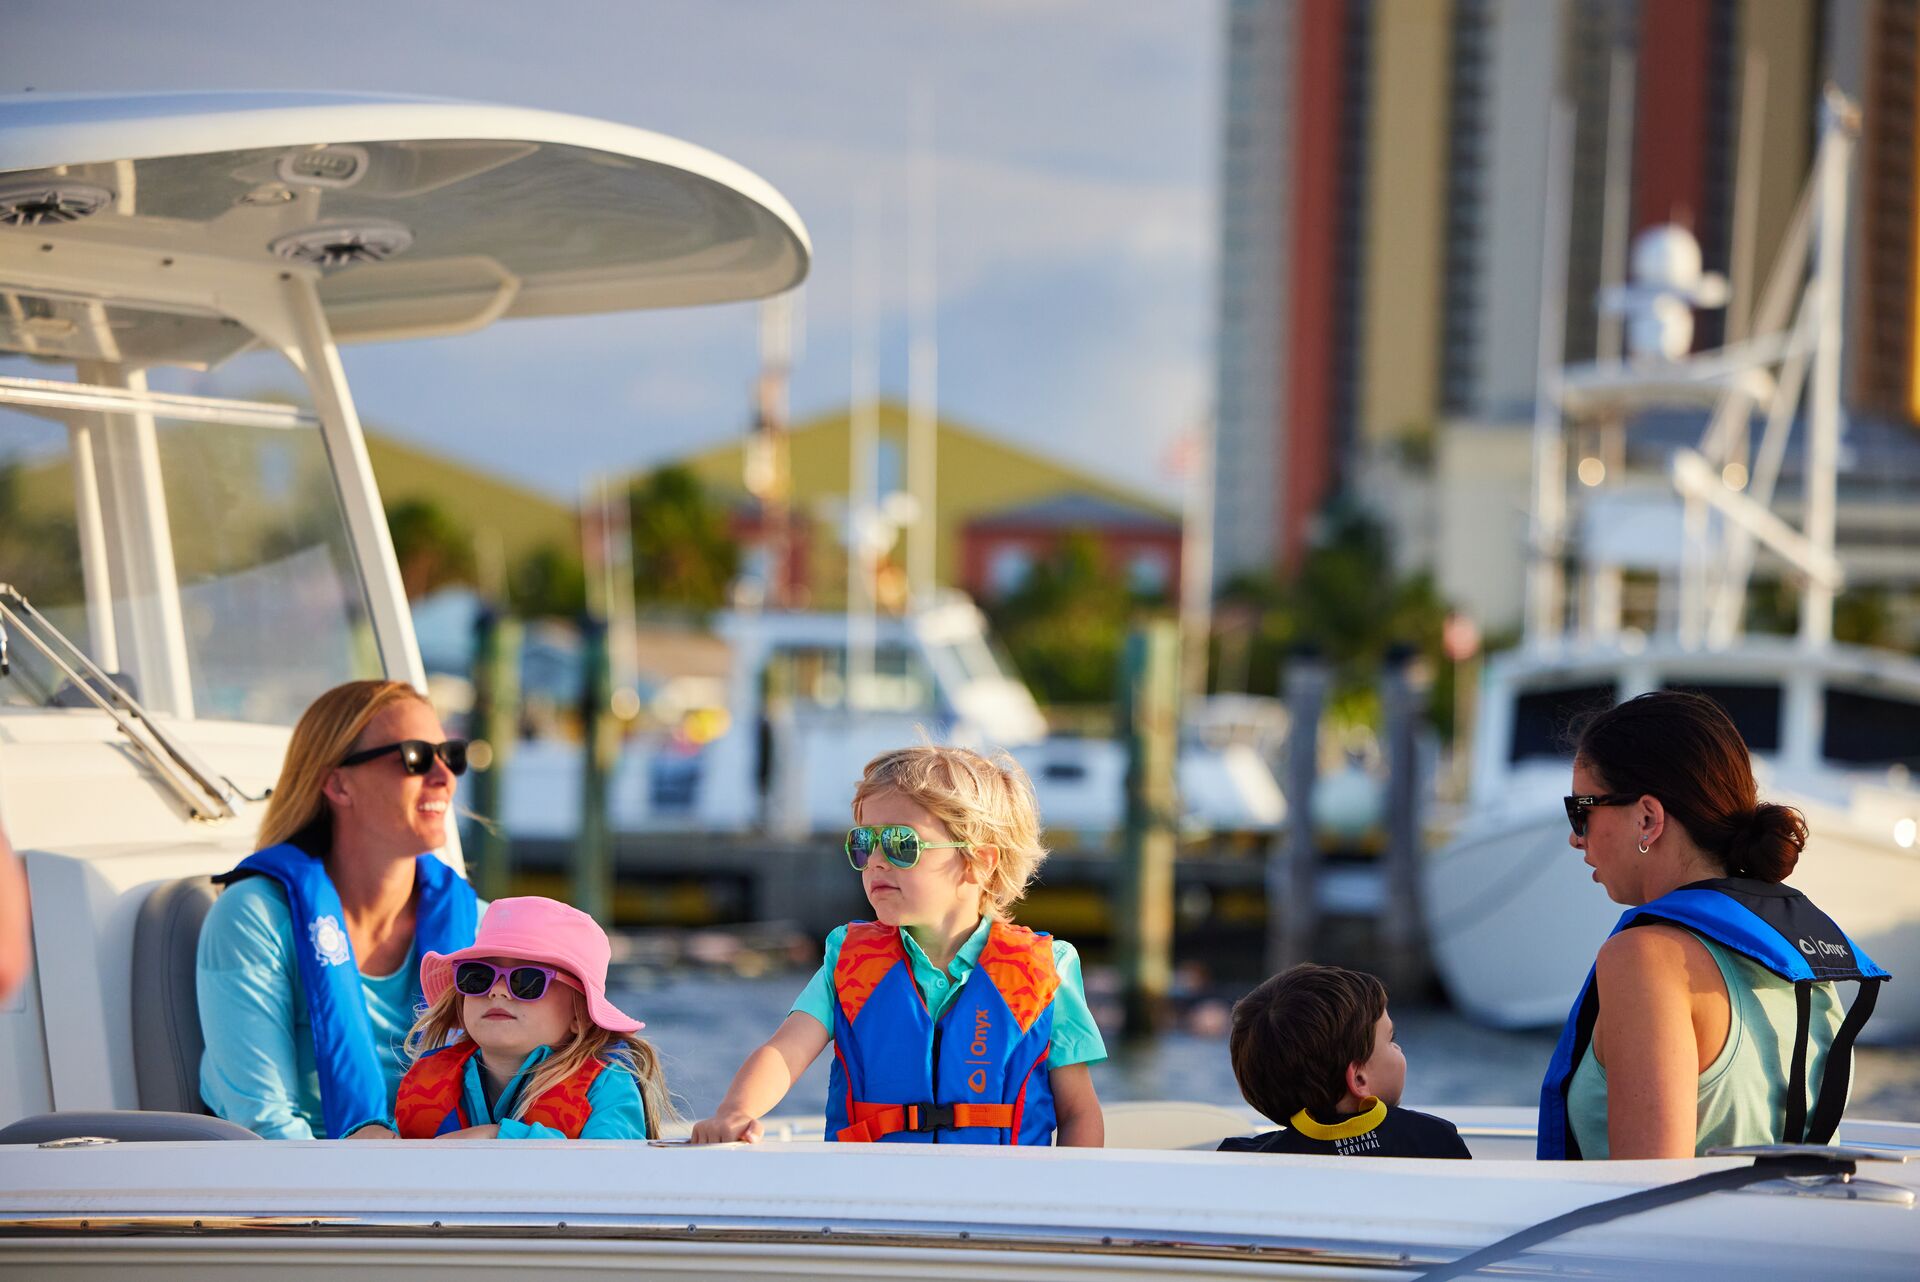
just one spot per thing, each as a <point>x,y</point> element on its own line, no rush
<point>103,635</point>
<point>863,436</point>
<point>142,538</point>
<point>1545,589</point>
<point>346,447</point>
<point>1823,436</point>
<point>923,361</point>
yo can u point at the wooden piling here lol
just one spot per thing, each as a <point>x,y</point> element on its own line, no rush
<point>1402,944</point>
<point>1149,724</point>
<point>495,722</point>
<point>1293,861</point>
<point>600,744</point>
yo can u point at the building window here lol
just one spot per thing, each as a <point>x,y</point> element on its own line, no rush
<point>1147,574</point>
<point>1008,570</point>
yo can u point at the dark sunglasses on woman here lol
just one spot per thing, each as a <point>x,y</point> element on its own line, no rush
<point>416,755</point>
<point>1577,807</point>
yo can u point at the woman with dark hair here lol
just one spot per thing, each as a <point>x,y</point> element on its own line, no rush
<point>309,963</point>
<point>1710,1017</point>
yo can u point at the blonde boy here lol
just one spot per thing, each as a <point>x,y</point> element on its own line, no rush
<point>950,1024</point>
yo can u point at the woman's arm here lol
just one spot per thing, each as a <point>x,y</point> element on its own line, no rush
<point>764,1081</point>
<point>244,980</point>
<point>1652,1053</point>
<point>1078,1120</point>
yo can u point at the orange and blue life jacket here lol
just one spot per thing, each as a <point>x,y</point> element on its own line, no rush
<point>976,1075</point>
<point>429,1100</point>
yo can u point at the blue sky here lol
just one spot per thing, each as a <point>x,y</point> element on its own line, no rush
<point>1073,143</point>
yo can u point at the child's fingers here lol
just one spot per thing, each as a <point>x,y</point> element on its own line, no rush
<point>752,1132</point>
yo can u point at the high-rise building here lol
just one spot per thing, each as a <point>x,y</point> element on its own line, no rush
<point>1384,184</point>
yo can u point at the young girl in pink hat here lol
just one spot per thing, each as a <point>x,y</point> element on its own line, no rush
<point>519,1041</point>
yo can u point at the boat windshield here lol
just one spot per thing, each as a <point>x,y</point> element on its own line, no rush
<point>206,563</point>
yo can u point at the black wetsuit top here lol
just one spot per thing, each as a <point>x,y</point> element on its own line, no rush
<point>1379,1132</point>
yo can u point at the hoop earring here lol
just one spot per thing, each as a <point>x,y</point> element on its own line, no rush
<point>1644,849</point>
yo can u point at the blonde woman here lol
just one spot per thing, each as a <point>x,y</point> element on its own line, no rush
<point>307,963</point>
<point>950,1024</point>
<point>519,1041</point>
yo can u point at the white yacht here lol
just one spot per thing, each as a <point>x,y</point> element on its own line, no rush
<point>1512,914</point>
<point>805,716</point>
<point>185,574</point>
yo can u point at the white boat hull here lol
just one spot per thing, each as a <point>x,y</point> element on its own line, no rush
<point>457,1210</point>
<point>1515,917</point>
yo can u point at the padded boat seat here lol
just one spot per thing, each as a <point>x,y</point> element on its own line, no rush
<point>136,1126</point>
<point>166,1013</point>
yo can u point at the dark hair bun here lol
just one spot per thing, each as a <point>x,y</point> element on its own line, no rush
<point>1768,846</point>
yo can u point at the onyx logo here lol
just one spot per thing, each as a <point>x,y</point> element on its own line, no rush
<point>982,1026</point>
<point>1821,948</point>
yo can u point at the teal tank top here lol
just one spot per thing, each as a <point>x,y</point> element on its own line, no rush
<point>1742,1096</point>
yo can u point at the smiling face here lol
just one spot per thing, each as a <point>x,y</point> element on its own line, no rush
<point>1612,840</point>
<point>379,801</point>
<point>507,1029</point>
<point>942,886</point>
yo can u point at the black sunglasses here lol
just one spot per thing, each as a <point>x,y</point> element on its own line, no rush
<point>1577,807</point>
<point>525,982</point>
<point>416,755</point>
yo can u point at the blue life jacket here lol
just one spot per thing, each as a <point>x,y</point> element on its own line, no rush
<point>353,1090</point>
<point>1774,925</point>
<point>978,1075</point>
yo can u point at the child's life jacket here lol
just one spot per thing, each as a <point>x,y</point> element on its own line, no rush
<point>429,1100</point>
<point>977,1075</point>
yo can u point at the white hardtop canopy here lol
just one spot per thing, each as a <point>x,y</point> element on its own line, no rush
<point>414,217</point>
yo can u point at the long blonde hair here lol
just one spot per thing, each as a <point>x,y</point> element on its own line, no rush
<point>440,1025</point>
<point>326,732</point>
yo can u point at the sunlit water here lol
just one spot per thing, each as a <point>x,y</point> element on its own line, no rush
<point>704,1025</point>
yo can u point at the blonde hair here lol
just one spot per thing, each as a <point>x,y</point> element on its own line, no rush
<point>982,801</point>
<point>440,1025</point>
<point>325,733</point>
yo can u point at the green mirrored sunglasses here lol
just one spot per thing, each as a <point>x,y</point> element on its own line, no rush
<point>900,845</point>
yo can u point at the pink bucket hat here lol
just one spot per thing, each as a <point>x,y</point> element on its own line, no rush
<point>538,930</point>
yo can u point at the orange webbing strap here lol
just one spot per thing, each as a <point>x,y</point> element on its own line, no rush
<point>877,1121</point>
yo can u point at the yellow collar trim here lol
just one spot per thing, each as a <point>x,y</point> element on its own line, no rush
<point>1359,1124</point>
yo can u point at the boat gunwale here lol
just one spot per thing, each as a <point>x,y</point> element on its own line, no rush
<point>18,1226</point>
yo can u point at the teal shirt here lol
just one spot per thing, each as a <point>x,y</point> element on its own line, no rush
<point>618,1111</point>
<point>1742,1094</point>
<point>1076,1038</point>
<point>258,1068</point>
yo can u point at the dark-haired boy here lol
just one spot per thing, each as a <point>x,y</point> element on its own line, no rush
<point>1313,1048</point>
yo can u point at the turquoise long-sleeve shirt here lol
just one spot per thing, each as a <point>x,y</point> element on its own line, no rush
<point>618,1111</point>
<point>258,1068</point>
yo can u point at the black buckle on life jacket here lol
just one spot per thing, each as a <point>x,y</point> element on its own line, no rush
<point>924,1119</point>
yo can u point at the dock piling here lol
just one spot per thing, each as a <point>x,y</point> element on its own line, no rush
<point>1149,723</point>
<point>495,721</point>
<point>1293,861</point>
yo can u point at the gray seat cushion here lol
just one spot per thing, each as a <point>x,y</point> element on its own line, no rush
<point>125,1125</point>
<point>166,1012</point>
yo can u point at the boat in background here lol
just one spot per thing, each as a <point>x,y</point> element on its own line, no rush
<point>1513,917</point>
<point>801,729</point>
